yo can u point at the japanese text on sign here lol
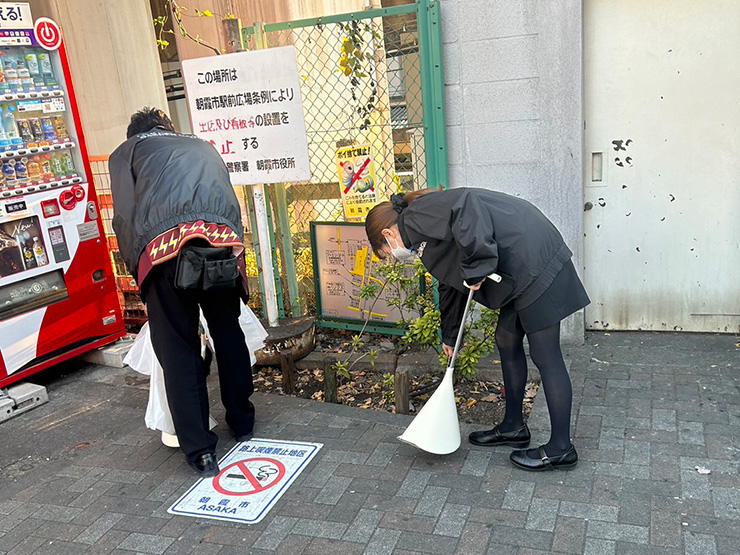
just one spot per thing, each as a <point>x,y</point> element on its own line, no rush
<point>242,99</point>
<point>15,15</point>
<point>256,124</point>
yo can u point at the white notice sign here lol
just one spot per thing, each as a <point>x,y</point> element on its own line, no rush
<point>248,105</point>
<point>254,475</point>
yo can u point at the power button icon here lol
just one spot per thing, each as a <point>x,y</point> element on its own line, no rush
<point>47,33</point>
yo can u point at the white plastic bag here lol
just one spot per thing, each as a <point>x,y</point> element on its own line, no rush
<point>142,359</point>
<point>254,332</point>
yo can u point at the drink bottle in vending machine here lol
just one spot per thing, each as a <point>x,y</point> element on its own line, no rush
<point>57,289</point>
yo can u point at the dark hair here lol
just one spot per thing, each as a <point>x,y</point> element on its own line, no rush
<point>384,216</point>
<point>147,119</point>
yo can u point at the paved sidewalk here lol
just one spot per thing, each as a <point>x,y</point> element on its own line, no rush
<point>82,474</point>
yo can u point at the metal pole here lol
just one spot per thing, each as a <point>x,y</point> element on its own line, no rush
<point>268,275</point>
<point>263,232</point>
<point>249,202</point>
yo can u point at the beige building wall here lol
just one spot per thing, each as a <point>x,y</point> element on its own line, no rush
<point>113,60</point>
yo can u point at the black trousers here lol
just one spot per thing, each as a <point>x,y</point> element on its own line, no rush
<point>173,323</point>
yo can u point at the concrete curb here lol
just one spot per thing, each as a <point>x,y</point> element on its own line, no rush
<point>110,355</point>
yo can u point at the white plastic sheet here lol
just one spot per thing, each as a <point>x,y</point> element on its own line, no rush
<point>142,359</point>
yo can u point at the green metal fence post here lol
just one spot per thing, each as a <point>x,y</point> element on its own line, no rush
<point>427,94</point>
<point>438,88</point>
<point>284,231</point>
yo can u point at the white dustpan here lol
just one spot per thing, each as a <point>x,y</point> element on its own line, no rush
<point>436,428</point>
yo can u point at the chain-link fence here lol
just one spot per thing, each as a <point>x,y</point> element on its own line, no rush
<point>134,312</point>
<point>366,79</point>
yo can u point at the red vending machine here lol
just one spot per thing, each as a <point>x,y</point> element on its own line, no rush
<point>57,289</point>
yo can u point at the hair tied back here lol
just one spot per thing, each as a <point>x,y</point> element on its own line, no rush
<point>398,203</point>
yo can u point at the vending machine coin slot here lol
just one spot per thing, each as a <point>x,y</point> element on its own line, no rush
<point>67,200</point>
<point>92,211</point>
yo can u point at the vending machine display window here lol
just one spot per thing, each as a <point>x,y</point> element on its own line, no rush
<point>22,246</point>
<point>32,293</point>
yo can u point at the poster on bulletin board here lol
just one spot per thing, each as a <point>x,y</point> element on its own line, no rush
<point>343,264</point>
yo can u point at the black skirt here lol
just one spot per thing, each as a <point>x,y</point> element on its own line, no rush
<point>563,297</point>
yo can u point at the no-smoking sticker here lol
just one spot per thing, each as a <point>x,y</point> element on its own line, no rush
<point>249,477</point>
<point>253,476</point>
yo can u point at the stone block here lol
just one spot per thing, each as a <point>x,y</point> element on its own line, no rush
<point>498,19</point>
<point>451,64</point>
<point>110,355</point>
<point>516,58</point>
<point>20,398</point>
<point>510,142</point>
<point>455,145</point>
<point>501,101</point>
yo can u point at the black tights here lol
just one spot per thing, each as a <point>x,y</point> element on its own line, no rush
<point>544,348</point>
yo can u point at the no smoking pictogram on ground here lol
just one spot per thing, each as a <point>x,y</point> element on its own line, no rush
<point>249,476</point>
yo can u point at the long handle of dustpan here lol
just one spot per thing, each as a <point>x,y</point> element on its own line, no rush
<point>460,333</point>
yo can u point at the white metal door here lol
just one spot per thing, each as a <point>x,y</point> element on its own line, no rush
<point>662,164</point>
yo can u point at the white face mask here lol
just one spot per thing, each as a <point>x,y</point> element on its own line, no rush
<point>401,254</point>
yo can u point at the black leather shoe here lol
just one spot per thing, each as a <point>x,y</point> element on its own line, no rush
<point>489,438</point>
<point>566,461</point>
<point>205,465</point>
<point>244,437</point>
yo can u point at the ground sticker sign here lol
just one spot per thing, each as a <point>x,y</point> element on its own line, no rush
<point>357,180</point>
<point>248,106</point>
<point>254,475</point>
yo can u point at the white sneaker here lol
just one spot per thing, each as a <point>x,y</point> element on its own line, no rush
<point>170,440</point>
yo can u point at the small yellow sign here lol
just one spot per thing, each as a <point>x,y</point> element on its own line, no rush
<point>357,180</point>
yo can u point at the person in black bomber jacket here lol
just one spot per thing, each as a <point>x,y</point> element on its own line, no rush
<point>170,189</point>
<point>464,235</point>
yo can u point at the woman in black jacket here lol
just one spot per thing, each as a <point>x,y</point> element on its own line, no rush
<point>464,235</point>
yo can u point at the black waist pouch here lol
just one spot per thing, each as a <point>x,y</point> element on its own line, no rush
<point>206,268</point>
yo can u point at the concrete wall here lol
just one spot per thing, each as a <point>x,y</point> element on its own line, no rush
<point>513,82</point>
<point>113,60</point>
